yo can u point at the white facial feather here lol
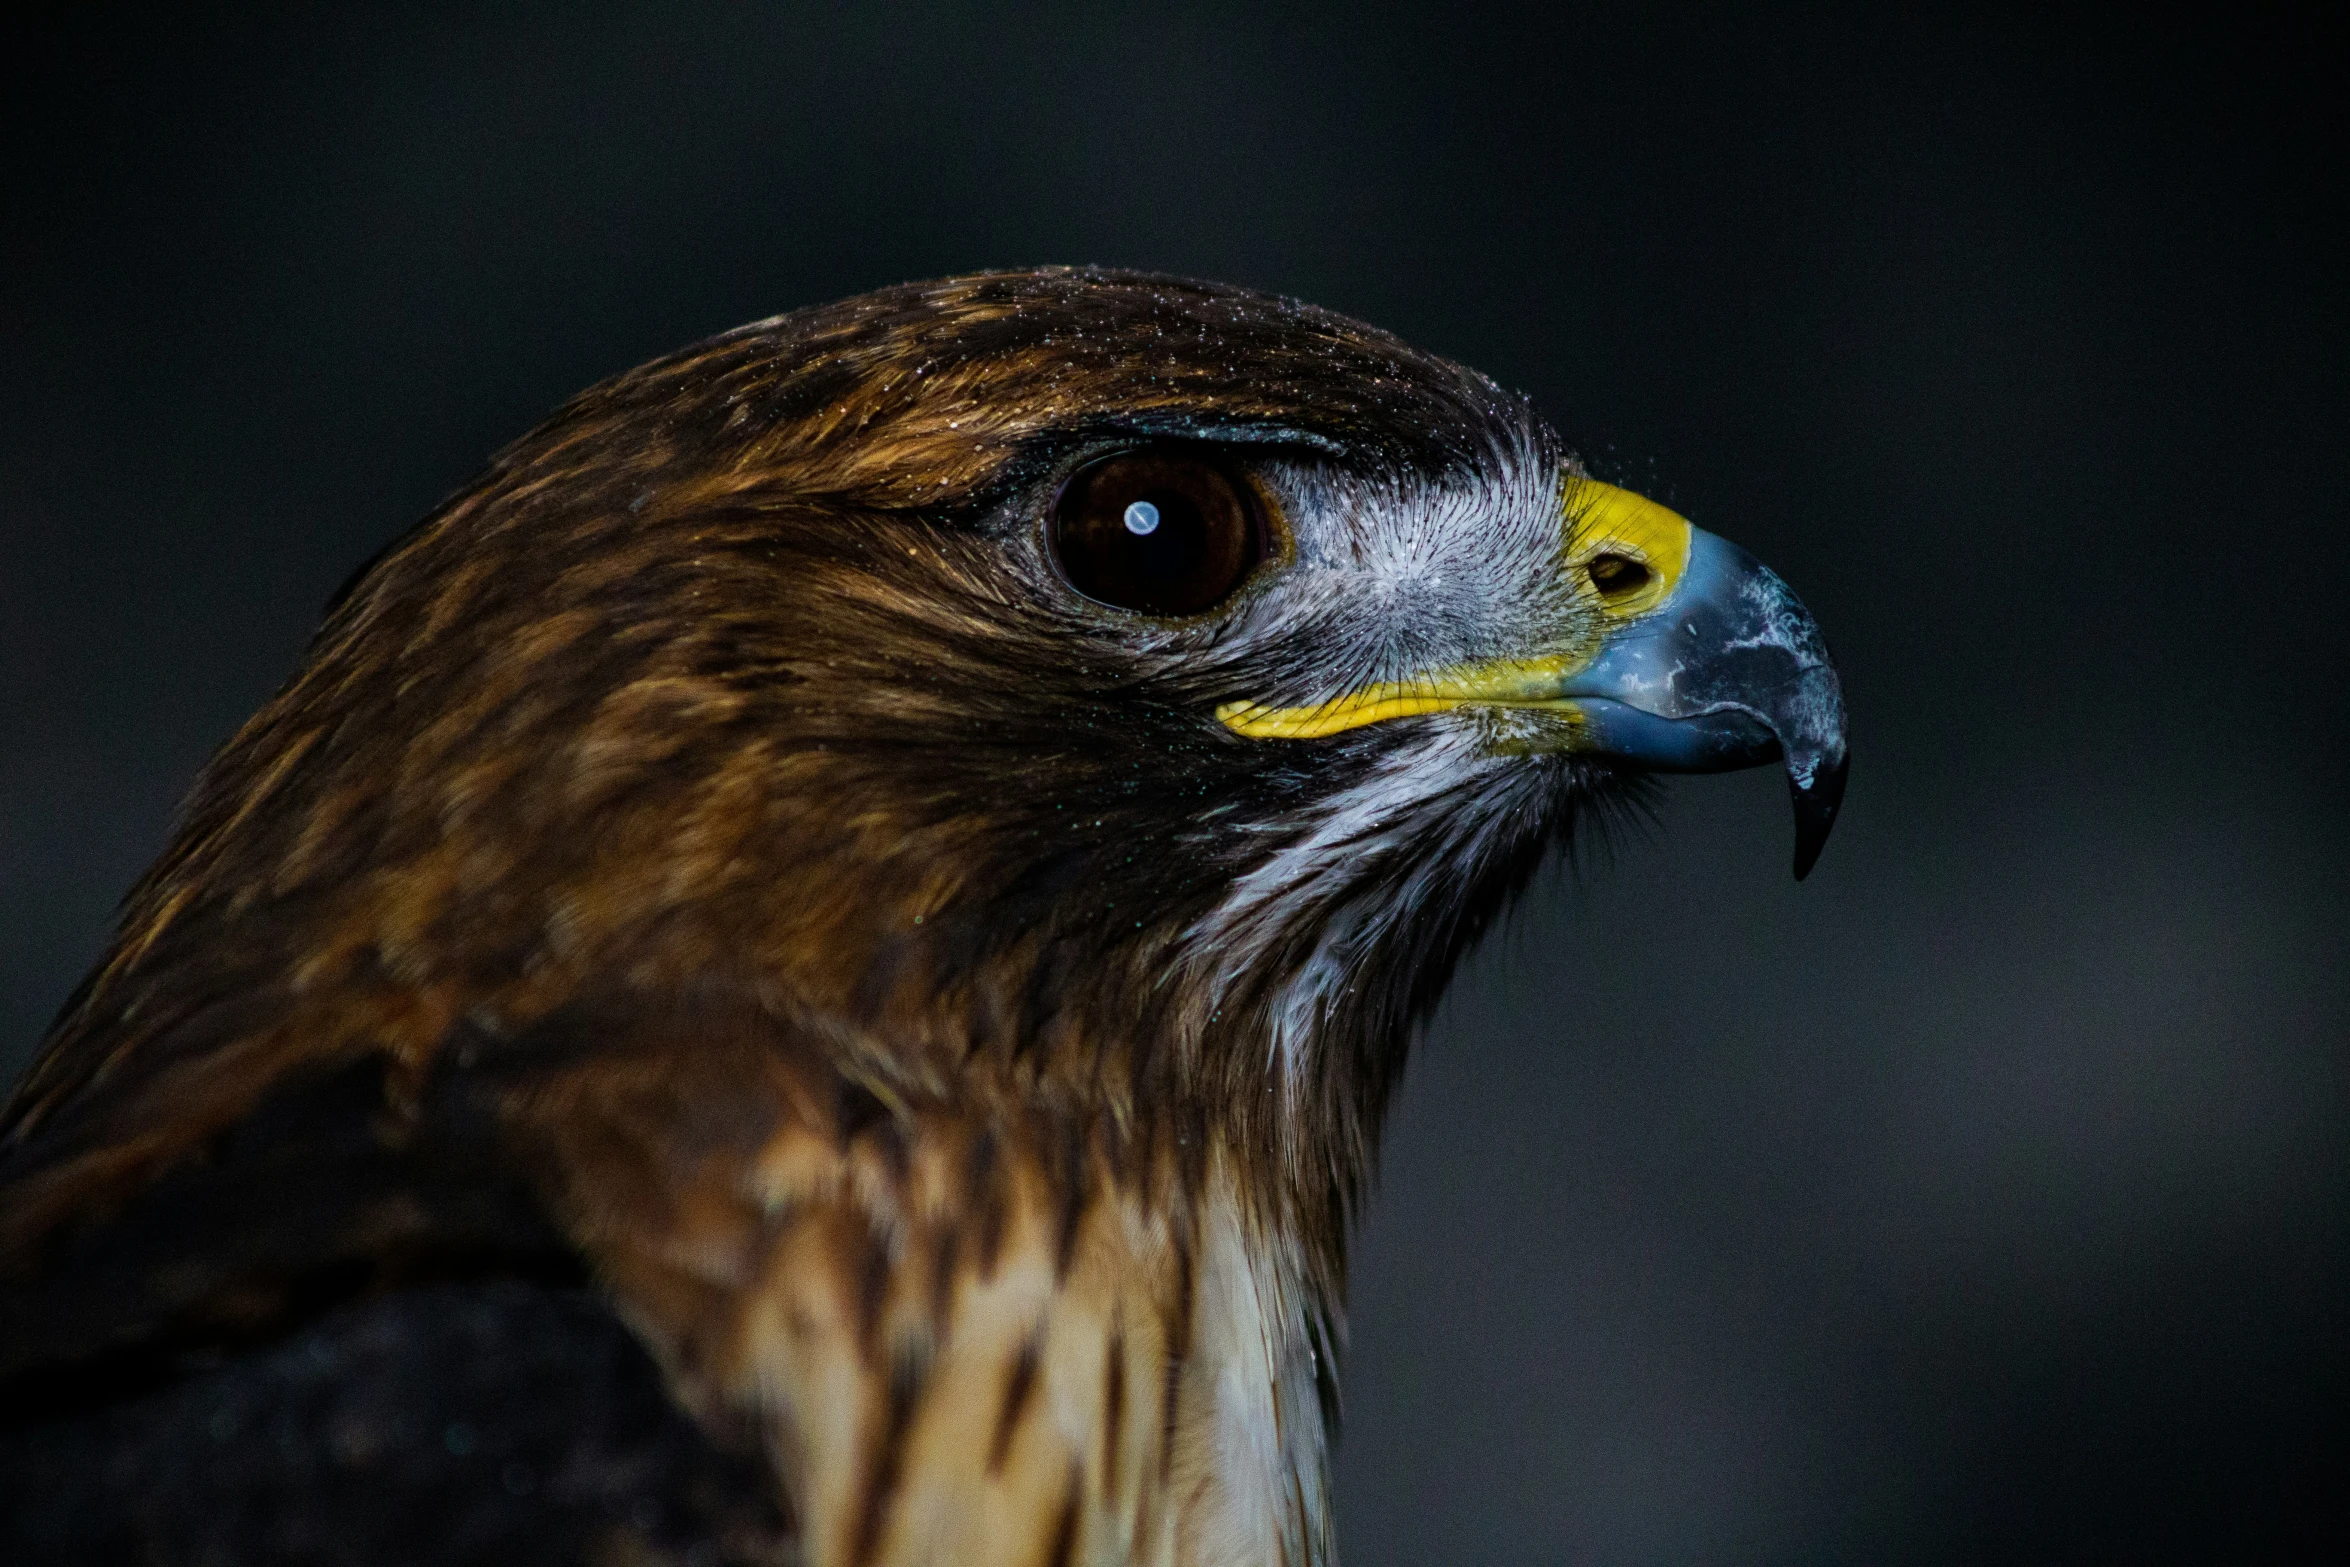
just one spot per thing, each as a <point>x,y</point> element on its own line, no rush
<point>1399,576</point>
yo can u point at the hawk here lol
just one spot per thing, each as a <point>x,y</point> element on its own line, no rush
<point>807,971</point>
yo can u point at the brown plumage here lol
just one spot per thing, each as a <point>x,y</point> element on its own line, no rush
<point>715,866</point>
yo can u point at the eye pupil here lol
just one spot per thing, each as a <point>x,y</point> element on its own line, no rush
<point>1166,530</point>
<point>1616,575</point>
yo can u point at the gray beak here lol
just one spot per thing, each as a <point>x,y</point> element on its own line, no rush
<point>1729,671</point>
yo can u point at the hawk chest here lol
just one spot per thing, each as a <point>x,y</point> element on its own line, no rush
<point>968,1347</point>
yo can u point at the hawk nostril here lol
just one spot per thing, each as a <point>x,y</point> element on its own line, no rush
<point>1616,575</point>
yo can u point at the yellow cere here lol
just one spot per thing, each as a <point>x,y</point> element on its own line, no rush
<point>1603,520</point>
<point>1600,519</point>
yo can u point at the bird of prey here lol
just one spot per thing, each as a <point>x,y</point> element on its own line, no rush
<point>808,969</point>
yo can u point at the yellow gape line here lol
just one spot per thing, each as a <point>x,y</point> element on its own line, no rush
<point>1530,683</point>
<point>1599,520</point>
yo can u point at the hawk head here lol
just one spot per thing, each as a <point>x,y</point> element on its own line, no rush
<point>1148,681</point>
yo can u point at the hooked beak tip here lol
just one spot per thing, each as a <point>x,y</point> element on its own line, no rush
<point>1815,811</point>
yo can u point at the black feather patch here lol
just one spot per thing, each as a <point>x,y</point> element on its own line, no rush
<point>497,1422</point>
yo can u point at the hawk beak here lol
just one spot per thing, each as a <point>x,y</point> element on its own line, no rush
<point>1726,670</point>
<point>1703,661</point>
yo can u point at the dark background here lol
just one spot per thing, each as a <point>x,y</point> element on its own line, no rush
<point>1983,1199</point>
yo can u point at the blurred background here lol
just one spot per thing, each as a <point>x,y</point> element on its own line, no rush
<point>1985,1198</point>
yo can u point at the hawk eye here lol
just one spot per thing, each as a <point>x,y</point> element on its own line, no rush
<point>1166,532</point>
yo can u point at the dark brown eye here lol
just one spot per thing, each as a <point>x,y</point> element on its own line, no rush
<point>1166,532</point>
<point>1615,575</point>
